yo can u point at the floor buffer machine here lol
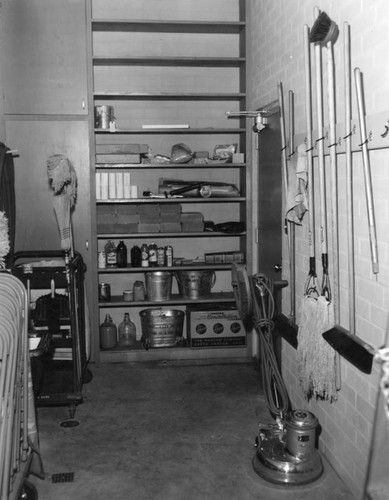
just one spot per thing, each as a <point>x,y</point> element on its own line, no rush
<point>286,450</point>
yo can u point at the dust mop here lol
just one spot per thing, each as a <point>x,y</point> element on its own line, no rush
<point>4,239</point>
<point>317,360</point>
<point>63,181</point>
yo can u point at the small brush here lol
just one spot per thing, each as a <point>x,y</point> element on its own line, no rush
<point>324,30</point>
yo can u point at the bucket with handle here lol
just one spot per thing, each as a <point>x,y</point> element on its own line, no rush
<point>161,327</point>
<point>158,285</point>
<point>195,284</point>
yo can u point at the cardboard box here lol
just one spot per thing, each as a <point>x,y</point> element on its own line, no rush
<point>215,325</point>
<point>170,227</point>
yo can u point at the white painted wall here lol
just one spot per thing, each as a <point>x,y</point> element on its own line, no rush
<point>276,55</point>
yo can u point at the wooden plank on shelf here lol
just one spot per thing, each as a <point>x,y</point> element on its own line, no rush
<point>121,149</point>
<point>232,354</point>
<point>117,158</point>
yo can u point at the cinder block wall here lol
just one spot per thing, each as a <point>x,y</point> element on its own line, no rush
<point>276,55</point>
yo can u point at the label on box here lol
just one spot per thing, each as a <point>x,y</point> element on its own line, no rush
<point>217,327</point>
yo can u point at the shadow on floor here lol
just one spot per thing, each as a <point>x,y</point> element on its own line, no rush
<point>165,432</point>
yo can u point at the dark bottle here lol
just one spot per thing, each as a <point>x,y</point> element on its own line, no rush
<point>153,248</point>
<point>121,254</point>
<point>136,256</point>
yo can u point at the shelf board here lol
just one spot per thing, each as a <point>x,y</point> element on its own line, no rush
<point>169,96</point>
<point>237,353</point>
<point>168,61</point>
<point>158,26</point>
<point>177,131</point>
<point>137,201</point>
<point>192,234</point>
<point>143,166</point>
<point>192,267</point>
<point>216,297</point>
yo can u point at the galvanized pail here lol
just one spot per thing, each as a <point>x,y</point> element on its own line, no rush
<point>161,327</point>
<point>158,285</point>
<point>195,284</point>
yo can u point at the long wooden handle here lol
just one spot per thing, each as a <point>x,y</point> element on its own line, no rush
<point>333,176</point>
<point>320,148</point>
<point>349,177</point>
<point>283,136</point>
<point>367,172</point>
<point>308,116</point>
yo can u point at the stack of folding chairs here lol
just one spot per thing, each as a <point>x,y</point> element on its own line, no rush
<point>15,452</point>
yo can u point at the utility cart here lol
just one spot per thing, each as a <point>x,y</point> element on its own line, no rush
<point>57,325</point>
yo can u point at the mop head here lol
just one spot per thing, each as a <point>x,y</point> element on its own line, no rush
<point>63,181</point>
<point>4,239</point>
<point>62,177</point>
<point>316,358</point>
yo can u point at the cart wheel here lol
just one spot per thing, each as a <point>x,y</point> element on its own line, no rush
<point>70,422</point>
<point>29,492</point>
<point>87,376</point>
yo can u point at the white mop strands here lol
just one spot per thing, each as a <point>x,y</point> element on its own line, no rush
<point>316,358</point>
<point>63,181</point>
<point>4,239</point>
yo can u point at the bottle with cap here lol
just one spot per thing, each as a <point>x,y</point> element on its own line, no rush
<point>136,256</point>
<point>145,255</point>
<point>127,332</point>
<point>121,254</point>
<point>153,255</point>
<point>108,333</point>
<point>110,254</point>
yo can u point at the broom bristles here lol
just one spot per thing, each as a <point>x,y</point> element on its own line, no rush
<point>323,30</point>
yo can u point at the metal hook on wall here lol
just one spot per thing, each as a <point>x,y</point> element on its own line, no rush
<point>386,129</point>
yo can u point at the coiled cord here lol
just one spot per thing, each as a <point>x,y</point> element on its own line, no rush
<point>275,392</point>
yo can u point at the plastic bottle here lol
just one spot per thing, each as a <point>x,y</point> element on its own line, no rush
<point>139,291</point>
<point>108,333</point>
<point>127,332</point>
<point>161,257</point>
<point>110,254</point>
<point>121,254</point>
<point>153,255</point>
<point>169,256</point>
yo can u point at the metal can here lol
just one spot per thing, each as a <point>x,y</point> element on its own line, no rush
<point>104,292</point>
<point>169,256</point>
<point>101,260</point>
<point>161,257</point>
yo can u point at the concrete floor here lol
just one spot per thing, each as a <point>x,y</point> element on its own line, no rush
<point>166,431</point>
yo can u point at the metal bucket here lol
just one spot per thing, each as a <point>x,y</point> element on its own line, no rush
<point>103,116</point>
<point>195,284</point>
<point>158,285</point>
<point>161,327</point>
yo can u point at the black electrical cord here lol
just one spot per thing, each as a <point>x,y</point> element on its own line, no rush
<point>275,392</point>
